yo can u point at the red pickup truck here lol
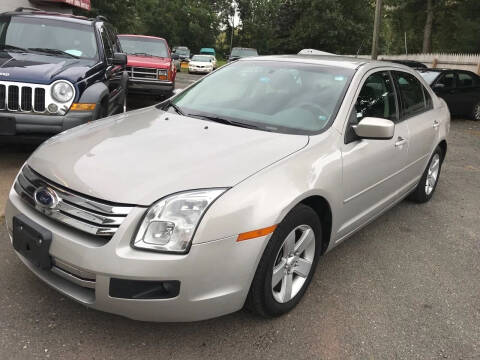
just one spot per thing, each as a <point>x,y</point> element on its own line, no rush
<point>150,66</point>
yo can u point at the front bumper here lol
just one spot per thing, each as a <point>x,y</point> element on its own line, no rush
<point>150,87</point>
<point>35,126</point>
<point>200,70</point>
<point>215,276</point>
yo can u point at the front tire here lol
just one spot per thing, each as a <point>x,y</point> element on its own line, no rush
<point>287,264</point>
<point>476,112</point>
<point>428,183</point>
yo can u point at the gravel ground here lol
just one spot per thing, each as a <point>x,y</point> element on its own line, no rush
<point>405,287</point>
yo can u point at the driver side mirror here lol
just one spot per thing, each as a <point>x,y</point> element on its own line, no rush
<point>119,59</point>
<point>375,128</point>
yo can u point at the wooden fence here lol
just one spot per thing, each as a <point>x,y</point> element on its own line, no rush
<point>449,61</point>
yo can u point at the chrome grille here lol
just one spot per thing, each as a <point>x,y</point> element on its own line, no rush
<point>144,73</point>
<point>83,213</point>
<point>22,97</point>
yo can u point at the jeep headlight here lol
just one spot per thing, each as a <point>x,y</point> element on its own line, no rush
<point>170,223</point>
<point>62,91</point>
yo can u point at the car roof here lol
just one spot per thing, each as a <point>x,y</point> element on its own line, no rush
<point>142,36</point>
<point>327,60</point>
<point>52,15</point>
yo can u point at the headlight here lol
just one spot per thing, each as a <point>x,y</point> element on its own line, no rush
<point>170,223</point>
<point>63,91</point>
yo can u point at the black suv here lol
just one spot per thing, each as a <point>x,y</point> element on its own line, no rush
<point>56,72</point>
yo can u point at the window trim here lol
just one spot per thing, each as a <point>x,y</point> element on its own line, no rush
<point>402,113</point>
<point>472,75</point>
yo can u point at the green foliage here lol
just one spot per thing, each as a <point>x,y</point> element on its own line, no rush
<point>287,26</point>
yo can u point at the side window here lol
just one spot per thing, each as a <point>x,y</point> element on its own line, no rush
<point>377,98</point>
<point>448,80</point>
<point>411,94</point>
<point>113,38</point>
<point>106,43</point>
<point>465,80</point>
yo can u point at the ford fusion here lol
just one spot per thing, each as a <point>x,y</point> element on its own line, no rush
<point>227,194</point>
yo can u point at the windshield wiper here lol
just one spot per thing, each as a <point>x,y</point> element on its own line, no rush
<point>53,52</point>
<point>224,121</point>
<point>170,104</point>
<point>11,47</point>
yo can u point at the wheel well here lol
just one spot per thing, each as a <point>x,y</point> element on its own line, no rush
<point>443,146</point>
<point>321,206</point>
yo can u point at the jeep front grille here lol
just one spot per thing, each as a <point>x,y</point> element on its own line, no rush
<point>20,98</point>
<point>96,217</point>
<point>28,98</point>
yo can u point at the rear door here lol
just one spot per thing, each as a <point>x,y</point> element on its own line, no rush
<point>373,176</point>
<point>468,87</point>
<point>417,112</point>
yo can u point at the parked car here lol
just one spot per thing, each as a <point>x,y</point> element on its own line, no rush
<point>230,191</point>
<point>239,52</point>
<point>151,69</point>
<point>410,63</point>
<point>207,51</point>
<point>459,88</point>
<point>181,54</point>
<point>56,72</point>
<point>200,64</point>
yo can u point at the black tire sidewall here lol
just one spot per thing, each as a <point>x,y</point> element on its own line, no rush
<point>300,215</point>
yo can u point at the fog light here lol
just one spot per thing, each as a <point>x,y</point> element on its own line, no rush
<point>53,108</point>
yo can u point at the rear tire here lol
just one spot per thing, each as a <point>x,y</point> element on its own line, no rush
<point>428,183</point>
<point>287,264</point>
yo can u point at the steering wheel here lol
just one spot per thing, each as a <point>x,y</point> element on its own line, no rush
<point>317,111</point>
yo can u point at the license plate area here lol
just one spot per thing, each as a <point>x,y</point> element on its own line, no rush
<point>7,126</point>
<point>32,241</point>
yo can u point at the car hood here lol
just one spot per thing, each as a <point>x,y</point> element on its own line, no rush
<point>42,69</point>
<point>149,61</point>
<point>141,156</point>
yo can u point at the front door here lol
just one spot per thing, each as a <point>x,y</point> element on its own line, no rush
<point>373,175</point>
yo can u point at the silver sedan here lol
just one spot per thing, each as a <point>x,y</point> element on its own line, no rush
<point>227,194</point>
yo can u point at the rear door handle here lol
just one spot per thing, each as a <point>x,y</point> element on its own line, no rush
<point>400,141</point>
<point>436,124</point>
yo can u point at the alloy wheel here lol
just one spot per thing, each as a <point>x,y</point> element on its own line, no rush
<point>476,112</point>
<point>293,263</point>
<point>432,176</point>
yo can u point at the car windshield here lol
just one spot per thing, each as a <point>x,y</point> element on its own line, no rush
<point>273,96</point>
<point>429,76</point>
<point>143,46</point>
<point>202,58</point>
<point>183,52</point>
<point>244,52</point>
<point>49,36</point>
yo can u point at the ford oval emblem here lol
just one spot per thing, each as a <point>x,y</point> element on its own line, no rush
<point>46,198</point>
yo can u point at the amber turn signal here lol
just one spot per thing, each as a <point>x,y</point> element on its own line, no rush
<point>82,107</point>
<point>256,233</point>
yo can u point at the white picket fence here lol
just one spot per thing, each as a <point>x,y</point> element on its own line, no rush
<point>440,60</point>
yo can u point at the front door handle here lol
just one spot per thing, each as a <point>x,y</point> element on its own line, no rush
<point>436,124</point>
<point>400,141</point>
